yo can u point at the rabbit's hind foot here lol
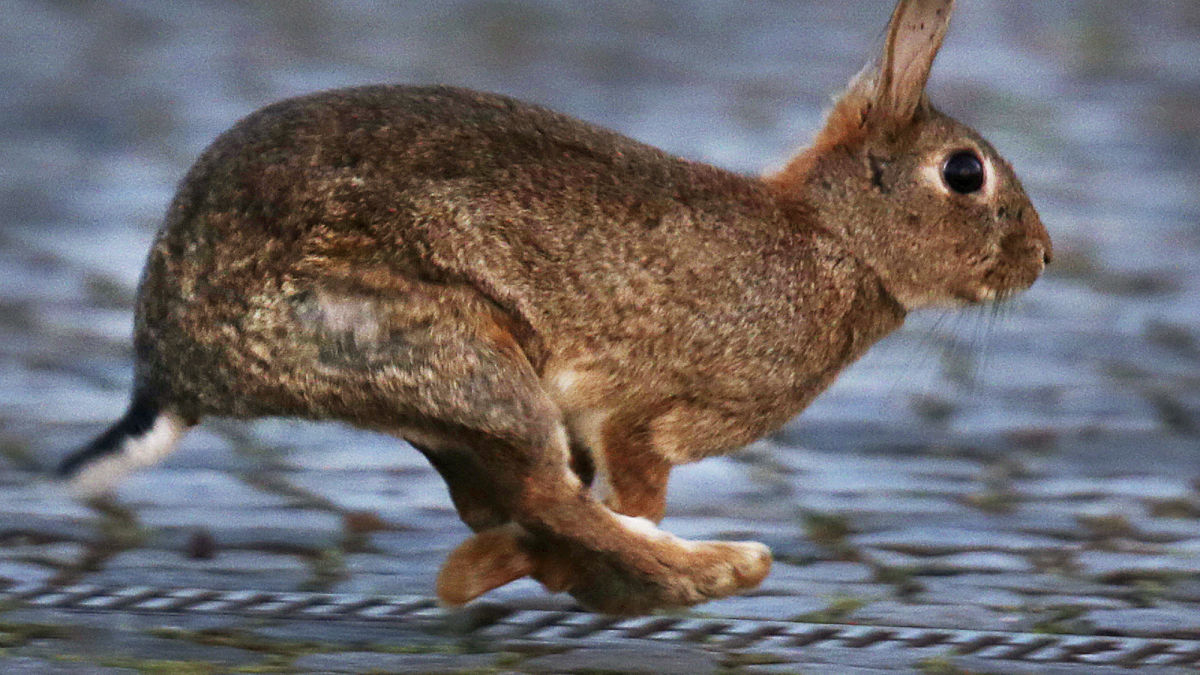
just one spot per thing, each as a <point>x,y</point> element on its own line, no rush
<point>681,573</point>
<point>692,572</point>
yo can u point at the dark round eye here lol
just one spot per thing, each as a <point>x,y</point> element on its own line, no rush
<point>963,172</point>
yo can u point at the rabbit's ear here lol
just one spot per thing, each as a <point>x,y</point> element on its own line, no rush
<point>914,36</point>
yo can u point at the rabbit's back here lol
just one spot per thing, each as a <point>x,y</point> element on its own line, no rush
<point>605,254</point>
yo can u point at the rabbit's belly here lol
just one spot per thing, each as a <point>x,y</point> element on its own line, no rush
<point>683,400</point>
<point>603,415</point>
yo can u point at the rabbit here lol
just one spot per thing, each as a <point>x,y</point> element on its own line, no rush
<point>556,315</point>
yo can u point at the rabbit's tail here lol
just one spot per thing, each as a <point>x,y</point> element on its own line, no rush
<point>145,435</point>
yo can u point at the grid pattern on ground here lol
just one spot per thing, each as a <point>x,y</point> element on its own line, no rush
<point>498,622</point>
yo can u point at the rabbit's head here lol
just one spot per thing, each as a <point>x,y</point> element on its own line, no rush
<point>920,197</point>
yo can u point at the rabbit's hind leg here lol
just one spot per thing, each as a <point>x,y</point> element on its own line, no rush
<point>442,360</point>
<point>426,361</point>
<point>561,535</point>
<point>472,493</point>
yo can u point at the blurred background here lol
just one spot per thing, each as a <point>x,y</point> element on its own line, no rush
<point>1079,401</point>
<point>1097,105</point>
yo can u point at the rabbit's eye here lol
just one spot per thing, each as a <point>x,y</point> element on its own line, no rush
<point>963,172</point>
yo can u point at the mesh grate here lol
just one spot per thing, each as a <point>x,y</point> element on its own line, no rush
<point>499,622</point>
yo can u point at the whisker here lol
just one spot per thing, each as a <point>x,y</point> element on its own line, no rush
<point>957,364</point>
<point>978,326</point>
<point>961,338</point>
<point>985,347</point>
<point>1000,310</point>
<point>929,341</point>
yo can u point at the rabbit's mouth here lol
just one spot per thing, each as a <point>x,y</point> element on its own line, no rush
<point>981,294</point>
<point>986,294</point>
<point>1019,262</point>
<point>1002,282</point>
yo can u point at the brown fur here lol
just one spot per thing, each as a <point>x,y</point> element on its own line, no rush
<point>519,293</point>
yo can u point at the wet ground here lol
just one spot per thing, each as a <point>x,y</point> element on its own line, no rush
<point>1033,473</point>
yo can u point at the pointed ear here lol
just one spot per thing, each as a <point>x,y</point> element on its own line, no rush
<point>914,36</point>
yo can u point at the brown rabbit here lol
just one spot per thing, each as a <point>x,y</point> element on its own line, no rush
<point>554,314</point>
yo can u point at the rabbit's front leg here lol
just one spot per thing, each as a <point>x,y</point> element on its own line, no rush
<point>635,475</point>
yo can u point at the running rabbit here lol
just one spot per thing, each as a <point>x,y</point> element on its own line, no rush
<point>555,314</point>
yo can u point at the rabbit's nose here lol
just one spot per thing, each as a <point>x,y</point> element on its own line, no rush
<point>1037,232</point>
<point>1047,248</point>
